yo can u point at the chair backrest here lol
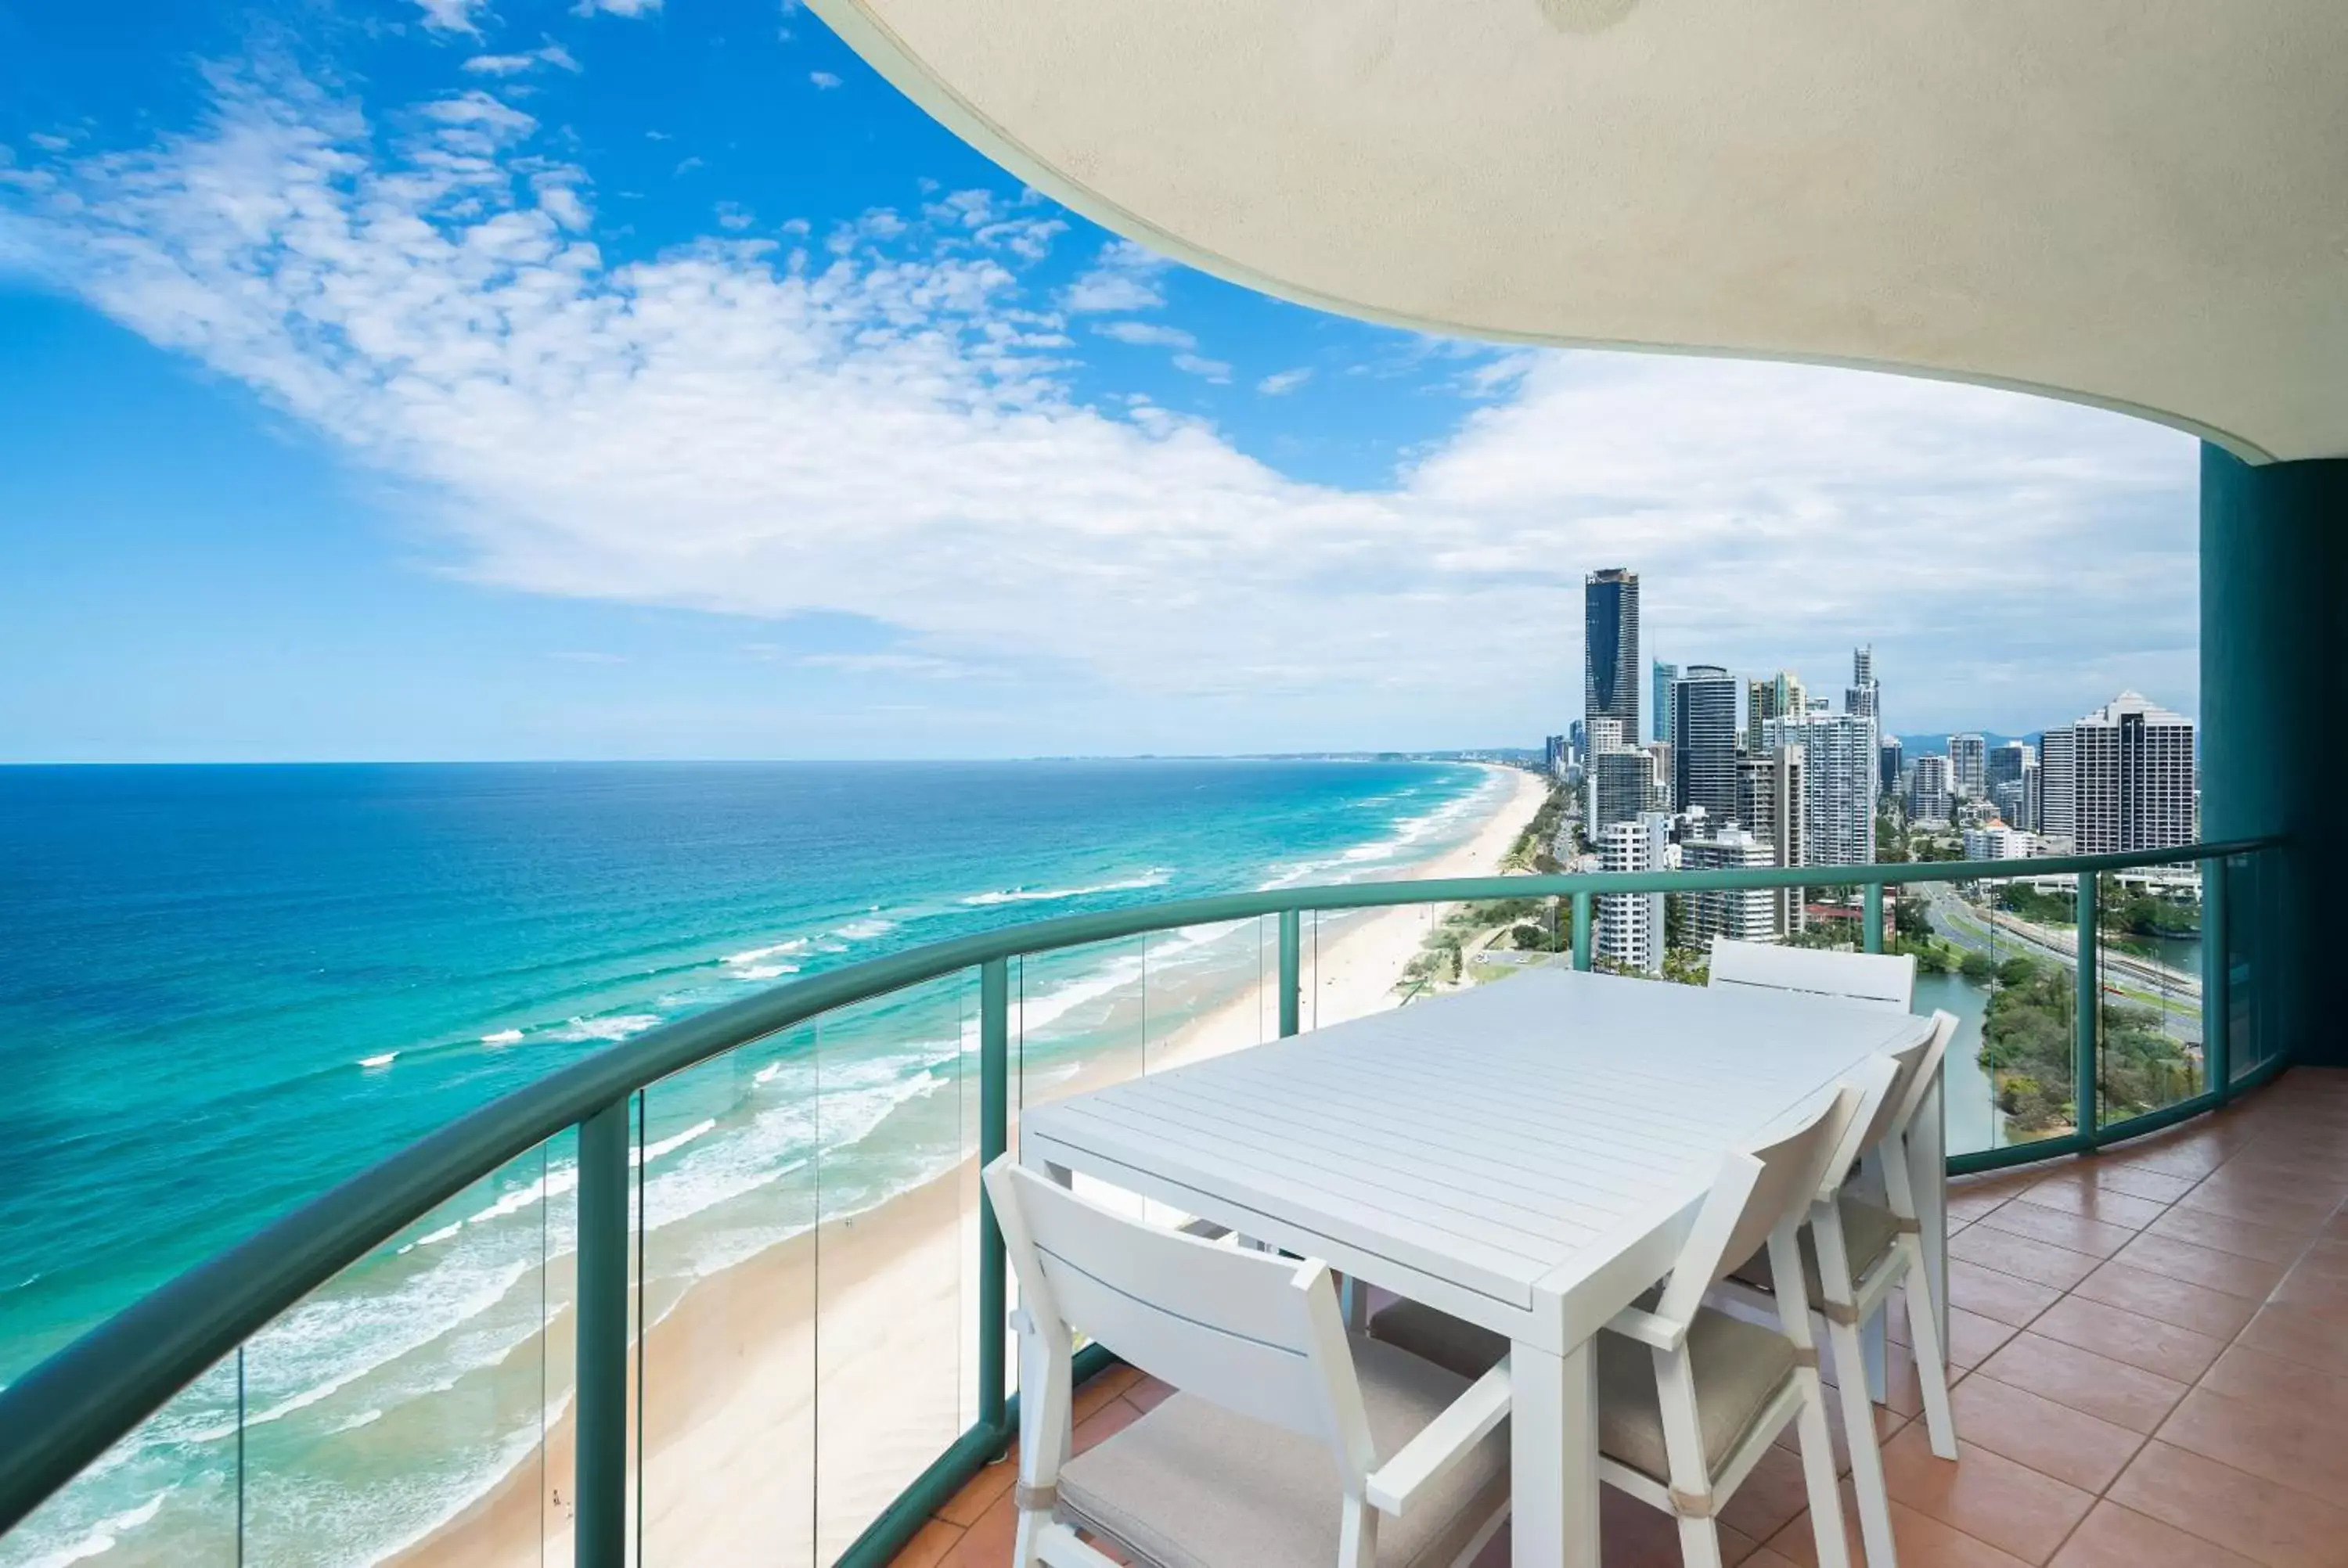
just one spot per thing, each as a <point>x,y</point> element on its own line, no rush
<point>1759,1190</point>
<point>1918,1065</point>
<point>1878,979</point>
<point>1252,1332</point>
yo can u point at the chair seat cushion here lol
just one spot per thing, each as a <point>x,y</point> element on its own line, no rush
<point>1868,1232</point>
<point>1191,1485</point>
<point>1739,1369</point>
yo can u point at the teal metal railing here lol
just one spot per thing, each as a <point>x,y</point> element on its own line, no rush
<point>66,1413</point>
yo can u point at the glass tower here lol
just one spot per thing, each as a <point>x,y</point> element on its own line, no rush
<point>1610,641</point>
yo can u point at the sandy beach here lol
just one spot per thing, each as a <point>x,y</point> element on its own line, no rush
<point>876,1346</point>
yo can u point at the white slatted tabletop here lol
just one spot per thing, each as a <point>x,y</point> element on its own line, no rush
<point>1527,1154</point>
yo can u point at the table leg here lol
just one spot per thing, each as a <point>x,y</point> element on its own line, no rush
<point>1927,1172</point>
<point>1553,1458</point>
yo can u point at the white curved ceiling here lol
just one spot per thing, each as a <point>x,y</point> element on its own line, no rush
<point>2137,203</point>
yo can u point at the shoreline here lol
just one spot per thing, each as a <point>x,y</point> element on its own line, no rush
<point>875,1340</point>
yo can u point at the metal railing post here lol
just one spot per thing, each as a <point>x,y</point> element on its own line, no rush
<point>1291,965</point>
<point>993,1138</point>
<point>1871,918</point>
<point>601,1479</point>
<point>2085,1081</point>
<point>2216,978</point>
<point>1581,931</point>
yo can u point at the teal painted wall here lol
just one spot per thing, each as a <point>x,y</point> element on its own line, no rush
<point>2274,659</point>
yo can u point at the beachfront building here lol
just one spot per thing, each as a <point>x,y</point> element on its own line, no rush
<point>2122,777</point>
<point>1610,650</point>
<point>1703,742</point>
<point>1744,913</point>
<point>1632,925</point>
<point>1890,766</point>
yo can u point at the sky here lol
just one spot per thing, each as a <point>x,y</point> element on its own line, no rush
<point>442,379</point>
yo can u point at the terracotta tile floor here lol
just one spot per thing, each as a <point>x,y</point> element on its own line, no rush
<point>2153,1370</point>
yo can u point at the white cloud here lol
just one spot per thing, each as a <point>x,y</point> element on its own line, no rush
<point>1147,334</point>
<point>553,55</point>
<point>1282,383</point>
<point>1124,278</point>
<point>616,8</point>
<point>824,80</point>
<point>1199,365</point>
<point>449,16</point>
<point>888,432</point>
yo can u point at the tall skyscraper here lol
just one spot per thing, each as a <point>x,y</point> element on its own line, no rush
<point>1609,649</point>
<point>1968,765</point>
<point>1703,744</point>
<point>1631,926</point>
<point>1887,775</point>
<point>1618,780</point>
<point>1780,696</point>
<point>1929,789</point>
<point>1664,675</point>
<point>2121,778</point>
<point>2059,787</point>
<point>1864,698</point>
<point>1553,756</point>
<point>1838,792</point>
<point>2006,763</point>
<point>1769,803</point>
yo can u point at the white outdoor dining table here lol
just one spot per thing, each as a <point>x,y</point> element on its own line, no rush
<point>1527,1155</point>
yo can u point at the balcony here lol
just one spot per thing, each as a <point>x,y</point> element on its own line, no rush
<point>2149,1348</point>
<point>845,1358</point>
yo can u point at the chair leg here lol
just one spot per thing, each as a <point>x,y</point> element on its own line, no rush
<point>1699,1542</point>
<point>1866,1457</point>
<point>1818,1473</point>
<point>1931,1366</point>
<point>1026,1550</point>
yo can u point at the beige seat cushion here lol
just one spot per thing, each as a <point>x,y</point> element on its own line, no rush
<point>1869,1231</point>
<point>1739,1368</point>
<point>1191,1485</point>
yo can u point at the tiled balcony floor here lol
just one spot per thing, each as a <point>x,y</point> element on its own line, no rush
<point>2150,1351</point>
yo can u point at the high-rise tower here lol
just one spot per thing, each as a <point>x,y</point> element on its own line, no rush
<point>1703,744</point>
<point>1610,643</point>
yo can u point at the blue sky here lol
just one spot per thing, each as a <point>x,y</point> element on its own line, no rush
<point>437,378</point>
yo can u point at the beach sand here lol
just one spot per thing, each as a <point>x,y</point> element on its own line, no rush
<point>739,1380</point>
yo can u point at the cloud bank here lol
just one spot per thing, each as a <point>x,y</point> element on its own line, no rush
<point>880,422</point>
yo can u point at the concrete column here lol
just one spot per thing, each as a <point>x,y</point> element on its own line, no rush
<point>2274,759</point>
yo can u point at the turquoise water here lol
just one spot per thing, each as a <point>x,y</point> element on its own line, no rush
<point>229,987</point>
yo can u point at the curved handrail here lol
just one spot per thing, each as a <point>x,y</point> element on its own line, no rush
<point>67,1411</point>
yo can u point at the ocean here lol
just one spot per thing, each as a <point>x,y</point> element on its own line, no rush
<point>228,988</point>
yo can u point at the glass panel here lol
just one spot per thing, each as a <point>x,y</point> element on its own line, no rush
<point>2004,949</point>
<point>1516,935</point>
<point>2148,984</point>
<point>2245,878</point>
<point>1079,1019</point>
<point>166,1494</point>
<point>1974,1121</point>
<point>1204,991</point>
<point>728,1175</point>
<point>897,1087</point>
<point>401,1410</point>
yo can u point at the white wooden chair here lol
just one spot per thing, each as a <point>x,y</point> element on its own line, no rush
<point>1854,1254</point>
<point>1291,1444</point>
<point>1880,980</point>
<point>1681,1425</point>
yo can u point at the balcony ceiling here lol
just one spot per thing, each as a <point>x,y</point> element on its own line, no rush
<point>2137,204</point>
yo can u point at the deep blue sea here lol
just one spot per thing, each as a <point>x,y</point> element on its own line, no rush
<point>225,989</point>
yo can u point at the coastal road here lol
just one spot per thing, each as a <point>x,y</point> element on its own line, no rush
<point>2178,997</point>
